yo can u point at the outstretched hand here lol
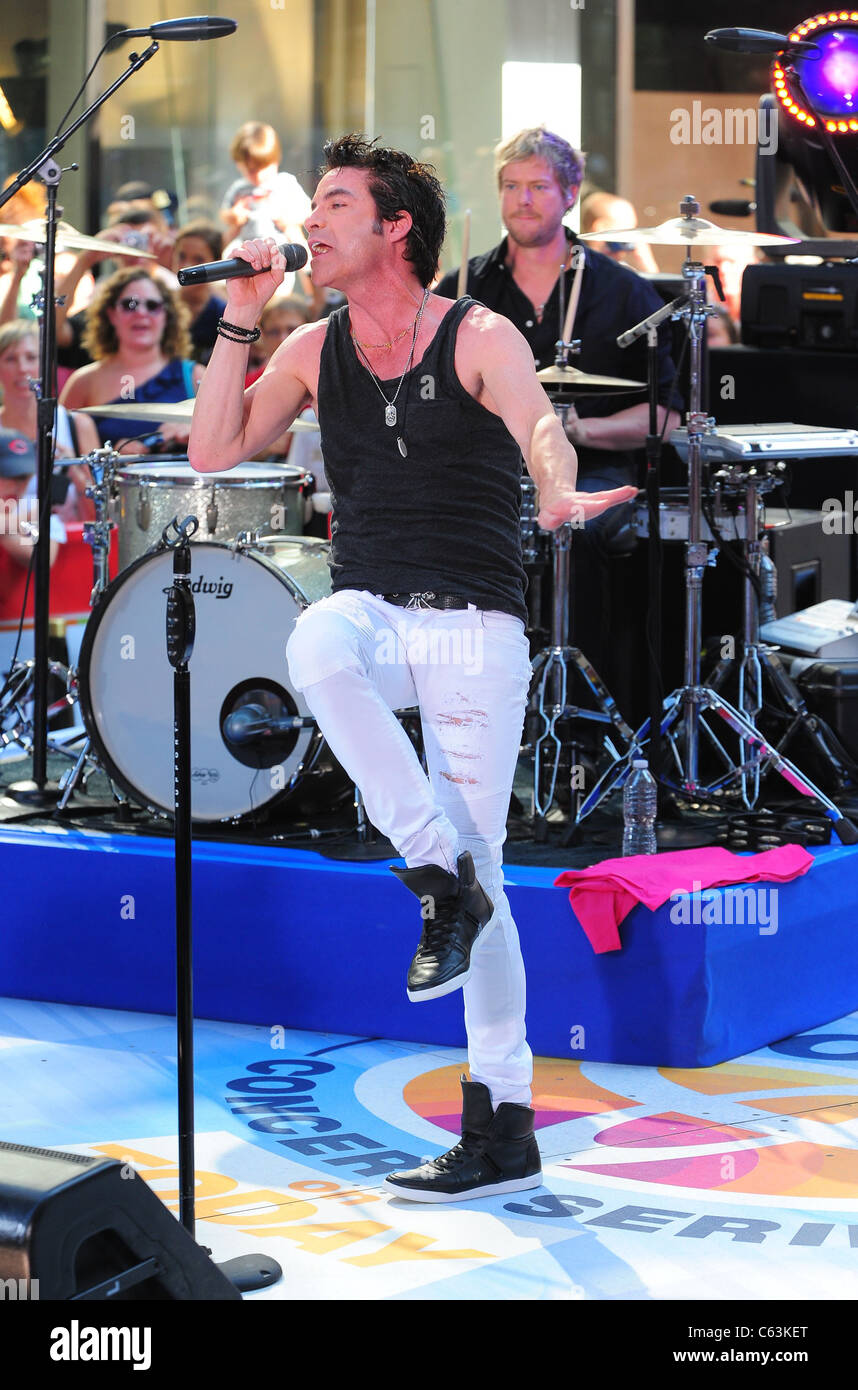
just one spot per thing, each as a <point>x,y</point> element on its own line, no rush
<point>578,507</point>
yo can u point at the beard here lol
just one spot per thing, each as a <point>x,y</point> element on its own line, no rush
<point>531,233</point>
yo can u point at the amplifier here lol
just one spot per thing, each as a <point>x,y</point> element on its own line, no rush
<point>805,306</point>
<point>812,564</point>
<point>79,1227</point>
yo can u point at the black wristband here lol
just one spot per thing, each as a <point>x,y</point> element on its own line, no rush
<point>236,334</point>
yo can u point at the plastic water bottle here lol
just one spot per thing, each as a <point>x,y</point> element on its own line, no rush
<point>768,588</point>
<point>640,805</point>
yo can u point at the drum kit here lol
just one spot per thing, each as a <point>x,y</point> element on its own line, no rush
<point>254,740</point>
<point>253,574</point>
<point>681,725</point>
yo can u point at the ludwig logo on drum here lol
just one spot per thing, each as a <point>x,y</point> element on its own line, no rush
<point>220,587</point>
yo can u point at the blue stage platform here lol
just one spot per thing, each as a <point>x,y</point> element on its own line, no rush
<point>288,937</point>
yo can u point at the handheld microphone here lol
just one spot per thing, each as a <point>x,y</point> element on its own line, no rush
<point>191,28</point>
<point>757,41</point>
<point>294,255</point>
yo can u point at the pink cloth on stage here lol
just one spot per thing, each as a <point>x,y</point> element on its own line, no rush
<point>604,894</point>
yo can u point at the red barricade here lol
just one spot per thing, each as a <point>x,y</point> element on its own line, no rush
<point>71,580</point>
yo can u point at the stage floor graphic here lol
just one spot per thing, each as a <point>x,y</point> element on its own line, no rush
<point>738,1181</point>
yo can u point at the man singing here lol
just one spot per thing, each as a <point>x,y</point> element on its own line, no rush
<point>425,408</point>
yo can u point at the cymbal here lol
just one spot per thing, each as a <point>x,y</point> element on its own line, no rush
<point>569,381</point>
<point>167,413</point>
<point>684,231</point>
<point>68,239</point>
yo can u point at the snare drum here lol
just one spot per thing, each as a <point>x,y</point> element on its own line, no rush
<point>250,497</point>
<point>247,600</point>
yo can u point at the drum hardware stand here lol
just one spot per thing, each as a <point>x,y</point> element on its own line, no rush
<point>548,701</point>
<point>96,534</point>
<point>685,706</point>
<point>760,660</point>
<point>247,1271</point>
<point>102,464</point>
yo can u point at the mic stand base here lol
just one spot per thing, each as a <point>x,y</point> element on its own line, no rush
<point>29,793</point>
<point>250,1272</point>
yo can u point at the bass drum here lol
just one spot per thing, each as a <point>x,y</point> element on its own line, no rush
<point>247,600</point>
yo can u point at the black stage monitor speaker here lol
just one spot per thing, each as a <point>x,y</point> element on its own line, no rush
<point>803,306</point>
<point>90,1228</point>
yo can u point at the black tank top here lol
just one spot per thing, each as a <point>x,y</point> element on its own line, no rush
<point>446,518</point>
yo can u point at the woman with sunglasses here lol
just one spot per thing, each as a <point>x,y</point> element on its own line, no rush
<point>137,335</point>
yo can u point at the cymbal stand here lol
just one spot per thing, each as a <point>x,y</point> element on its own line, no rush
<point>548,700</point>
<point>761,662</point>
<point>683,721</point>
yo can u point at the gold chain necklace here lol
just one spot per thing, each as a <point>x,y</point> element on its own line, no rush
<point>387,347</point>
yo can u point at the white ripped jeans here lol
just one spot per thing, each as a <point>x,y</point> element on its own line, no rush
<point>357,659</point>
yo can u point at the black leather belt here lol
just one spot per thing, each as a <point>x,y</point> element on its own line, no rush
<point>427,600</point>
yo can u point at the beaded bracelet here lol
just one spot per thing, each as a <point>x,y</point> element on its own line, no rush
<point>236,334</point>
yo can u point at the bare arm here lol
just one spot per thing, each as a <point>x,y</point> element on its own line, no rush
<point>494,348</point>
<point>22,254</point>
<point>626,429</point>
<point>77,390</point>
<point>68,283</point>
<point>231,424</point>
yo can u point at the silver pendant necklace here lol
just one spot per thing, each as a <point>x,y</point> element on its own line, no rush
<point>390,415</point>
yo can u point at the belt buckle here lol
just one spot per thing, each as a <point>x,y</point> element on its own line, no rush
<point>420,600</point>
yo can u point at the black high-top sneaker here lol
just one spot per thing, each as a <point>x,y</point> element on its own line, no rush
<point>455,911</point>
<point>497,1153</point>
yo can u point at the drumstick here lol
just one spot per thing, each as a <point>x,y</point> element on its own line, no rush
<point>573,298</point>
<point>463,268</point>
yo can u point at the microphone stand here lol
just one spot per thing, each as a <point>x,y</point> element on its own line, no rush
<point>36,792</point>
<point>246,1272</point>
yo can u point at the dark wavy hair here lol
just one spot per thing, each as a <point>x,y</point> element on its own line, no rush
<point>99,337</point>
<point>398,184</point>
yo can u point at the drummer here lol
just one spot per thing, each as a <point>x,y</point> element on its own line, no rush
<point>539,177</point>
<point>137,334</point>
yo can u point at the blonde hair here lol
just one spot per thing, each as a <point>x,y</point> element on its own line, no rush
<point>256,145</point>
<point>15,332</point>
<point>539,143</point>
<point>28,204</point>
<point>99,338</point>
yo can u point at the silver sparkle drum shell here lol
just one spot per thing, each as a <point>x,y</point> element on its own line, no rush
<point>250,497</point>
<point>247,602</point>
